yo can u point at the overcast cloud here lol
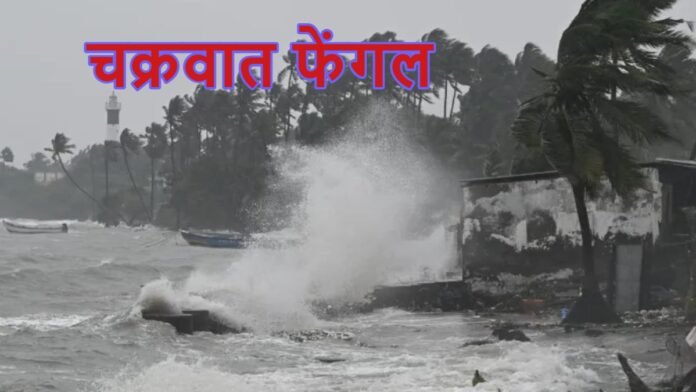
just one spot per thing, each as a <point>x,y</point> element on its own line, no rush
<point>46,85</point>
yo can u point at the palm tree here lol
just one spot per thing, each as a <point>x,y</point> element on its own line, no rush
<point>131,144</point>
<point>91,154</point>
<point>289,72</point>
<point>247,104</point>
<point>198,113</point>
<point>172,117</point>
<point>679,114</point>
<point>156,146</point>
<point>271,97</point>
<point>488,108</point>
<point>452,64</point>
<point>60,145</point>
<point>530,83</point>
<point>580,126</point>
<point>7,156</point>
<point>38,164</point>
<point>289,101</point>
<point>460,66</point>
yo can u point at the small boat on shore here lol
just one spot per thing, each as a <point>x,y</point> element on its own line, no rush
<point>34,228</point>
<point>215,239</point>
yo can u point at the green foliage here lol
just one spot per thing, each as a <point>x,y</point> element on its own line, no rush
<point>130,142</point>
<point>60,144</point>
<point>21,196</point>
<point>7,155</point>
<point>155,141</point>
<point>38,163</point>
<point>583,129</point>
<point>585,121</point>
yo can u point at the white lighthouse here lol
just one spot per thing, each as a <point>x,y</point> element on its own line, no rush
<point>113,108</point>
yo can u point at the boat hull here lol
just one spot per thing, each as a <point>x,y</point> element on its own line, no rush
<point>24,228</point>
<point>214,240</point>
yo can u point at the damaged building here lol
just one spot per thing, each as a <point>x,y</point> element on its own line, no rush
<point>526,225</point>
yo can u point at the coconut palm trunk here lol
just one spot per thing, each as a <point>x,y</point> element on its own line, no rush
<point>444,103</point>
<point>152,189</point>
<point>60,144</point>
<point>172,160</point>
<point>591,306</point>
<point>588,262</point>
<point>81,189</point>
<point>454,98</point>
<point>133,184</point>
<point>94,181</point>
<point>288,114</point>
<point>75,184</point>
<point>106,171</point>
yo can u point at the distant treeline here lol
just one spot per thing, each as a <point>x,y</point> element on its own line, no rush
<point>211,148</point>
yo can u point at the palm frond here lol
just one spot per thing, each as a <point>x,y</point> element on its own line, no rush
<point>632,120</point>
<point>619,165</point>
<point>527,127</point>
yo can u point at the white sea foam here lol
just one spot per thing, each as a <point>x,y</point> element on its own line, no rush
<point>362,219</point>
<point>42,322</point>
<point>158,297</point>
<point>516,367</point>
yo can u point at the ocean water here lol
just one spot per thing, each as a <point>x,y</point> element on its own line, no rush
<point>370,209</point>
<point>66,324</point>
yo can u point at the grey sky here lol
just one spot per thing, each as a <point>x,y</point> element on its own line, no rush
<point>46,85</point>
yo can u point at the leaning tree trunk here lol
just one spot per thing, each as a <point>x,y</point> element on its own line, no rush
<point>420,105</point>
<point>106,171</point>
<point>454,98</point>
<point>135,186</point>
<point>444,104</point>
<point>173,162</point>
<point>591,307</point>
<point>152,189</point>
<point>288,114</point>
<point>94,181</point>
<point>76,185</point>
<point>685,383</point>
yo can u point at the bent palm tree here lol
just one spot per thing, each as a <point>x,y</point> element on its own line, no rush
<point>584,130</point>
<point>131,143</point>
<point>155,148</point>
<point>172,116</point>
<point>289,71</point>
<point>60,145</point>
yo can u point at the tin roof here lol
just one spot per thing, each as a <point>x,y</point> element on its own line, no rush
<point>549,175</point>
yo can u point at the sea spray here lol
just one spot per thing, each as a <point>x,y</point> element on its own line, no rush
<point>158,296</point>
<point>366,215</point>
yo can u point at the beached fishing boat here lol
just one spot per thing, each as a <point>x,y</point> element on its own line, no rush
<point>214,239</point>
<point>34,228</point>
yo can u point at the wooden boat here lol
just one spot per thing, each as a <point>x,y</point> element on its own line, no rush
<point>34,228</point>
<point>215,239</point>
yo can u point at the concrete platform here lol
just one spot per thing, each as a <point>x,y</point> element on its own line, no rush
<point>190,321</point>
